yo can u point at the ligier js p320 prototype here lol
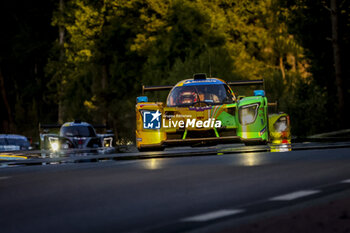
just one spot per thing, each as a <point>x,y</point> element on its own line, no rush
<point>206,111</point>
<point>74,135</point>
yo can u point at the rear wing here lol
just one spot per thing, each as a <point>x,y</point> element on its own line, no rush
<point>155,88</point>
<point>231,83</point>
<point>46,127</point>
<point>247,83</point>
<point>252,83</point>
<point>100,126</point>
<point>57,126</point>
<point>108,130</point>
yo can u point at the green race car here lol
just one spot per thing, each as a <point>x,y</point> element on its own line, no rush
<point>206,111</point>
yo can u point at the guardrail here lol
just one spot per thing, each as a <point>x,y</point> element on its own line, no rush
<point>76,158</point>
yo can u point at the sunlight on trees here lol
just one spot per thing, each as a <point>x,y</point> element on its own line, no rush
<point>105,50</point>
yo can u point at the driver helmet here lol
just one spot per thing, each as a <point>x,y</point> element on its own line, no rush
<point>187,97</point>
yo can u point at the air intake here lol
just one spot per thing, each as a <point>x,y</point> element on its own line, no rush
<point>200,76</point>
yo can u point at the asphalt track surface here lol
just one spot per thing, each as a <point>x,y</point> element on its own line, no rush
<point>167,194</point>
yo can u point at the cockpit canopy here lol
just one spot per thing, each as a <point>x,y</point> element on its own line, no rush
<point>77,131</point>
<point>209,94</point>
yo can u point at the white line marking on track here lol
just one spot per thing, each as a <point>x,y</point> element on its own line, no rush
<point>4,177</point>
<point>294,195</point>
<point>346,181</point>
<point>212,215</point>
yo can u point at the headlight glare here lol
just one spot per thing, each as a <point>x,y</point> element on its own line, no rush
<point>108,142</point>
<point>248,113</point>
<point>281,124</point>
<point>54,144</point>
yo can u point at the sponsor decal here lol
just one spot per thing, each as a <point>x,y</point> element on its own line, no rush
<point>262,131</point>
<point>205,81</point>
<point>139,139</point>
<point>200,109</point>
<point>151,119</point>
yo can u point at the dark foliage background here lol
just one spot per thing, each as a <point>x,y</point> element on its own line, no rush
<point>87,59</point>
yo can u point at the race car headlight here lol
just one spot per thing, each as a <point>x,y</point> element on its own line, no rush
<point>248,113</point>
<point>107,142</point>
<point>54,144</point>
<point>281,124</point>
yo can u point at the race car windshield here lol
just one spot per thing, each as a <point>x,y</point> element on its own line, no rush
<point>78,131</point>
<point>214,94</point>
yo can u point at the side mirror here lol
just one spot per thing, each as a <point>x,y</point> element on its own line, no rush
<point>141,99</point>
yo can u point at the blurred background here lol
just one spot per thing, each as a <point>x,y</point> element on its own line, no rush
<point>62,60</point>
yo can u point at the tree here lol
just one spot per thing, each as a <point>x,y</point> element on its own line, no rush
<point>25,44</point>
<point>337,59</point>
<point>325,40</point>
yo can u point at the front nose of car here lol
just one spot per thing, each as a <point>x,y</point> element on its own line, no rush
<point>79,142</point>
